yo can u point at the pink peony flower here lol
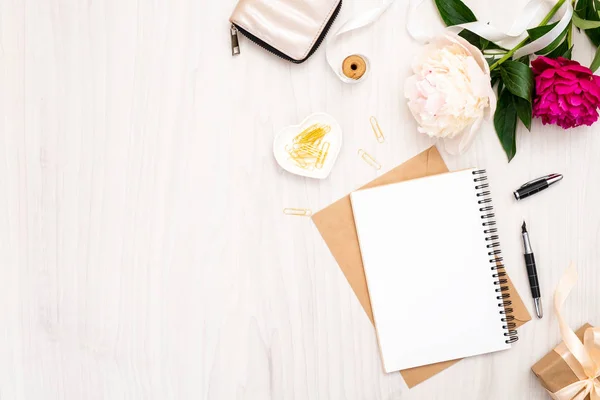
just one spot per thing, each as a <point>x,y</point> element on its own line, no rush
<point>450,93</point>
<point>567,94</point>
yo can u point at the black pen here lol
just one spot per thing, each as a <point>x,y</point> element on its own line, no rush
<point>532,272</point>
<point>536,185</point>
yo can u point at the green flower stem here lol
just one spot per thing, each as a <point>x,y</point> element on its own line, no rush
<point>508,55</point>
<point>570,30</point>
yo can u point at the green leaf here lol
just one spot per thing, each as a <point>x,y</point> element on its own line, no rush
<point>505,122</point>
<point>554,43</point>
<point>472,38</point>
<point>493,46</point>
<point>567,54</point>
<point>494,81</point>
<point>560,51</point>
<point>487,45</point>
<point>477,41</point>
<point>524,111</point>
<point>596,61</point>
<point>518,79</point>
<point>500,87</point>
<point>584,23</point>
<point>454,12</point>
<point>484,43</point>
<point>524,60</point>
<point>496,72</point>
<point>538,32</point>
<point>588,10</point>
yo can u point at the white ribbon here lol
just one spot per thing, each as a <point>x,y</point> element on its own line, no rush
<point>529,17</point>
<point>548,38</point>
<point>350,25</point>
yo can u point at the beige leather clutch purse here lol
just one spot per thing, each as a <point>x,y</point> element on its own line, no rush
<point>290,29</point>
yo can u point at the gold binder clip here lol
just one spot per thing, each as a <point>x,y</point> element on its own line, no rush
<point>299,212</point>
<point>377,129</point>
<point>369,159</point>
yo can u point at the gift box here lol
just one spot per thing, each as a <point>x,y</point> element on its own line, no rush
<point>571,371</point>
<point>554,371</point>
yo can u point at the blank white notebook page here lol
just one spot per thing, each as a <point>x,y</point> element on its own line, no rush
<point>428,270</point>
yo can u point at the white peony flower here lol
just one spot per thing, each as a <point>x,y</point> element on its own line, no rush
<point>450,92</point>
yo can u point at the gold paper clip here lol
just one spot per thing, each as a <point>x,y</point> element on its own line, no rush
<point>300,163</point>
<point>312,133</point>
<point>368,159</point>
<point>377,129</point>
<point>299,212</point>
<point>323,155</point>
<point>308,150</point>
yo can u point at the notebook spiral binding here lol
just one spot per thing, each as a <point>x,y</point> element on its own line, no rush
<point>486,208</point>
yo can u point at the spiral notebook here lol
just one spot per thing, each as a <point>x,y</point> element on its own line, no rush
<point>432,260</point>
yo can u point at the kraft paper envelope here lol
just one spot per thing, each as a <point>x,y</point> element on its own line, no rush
<point>336,225</point>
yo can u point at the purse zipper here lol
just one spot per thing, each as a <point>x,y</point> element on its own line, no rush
<point>235,46</point>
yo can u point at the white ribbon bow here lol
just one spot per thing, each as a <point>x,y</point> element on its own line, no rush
<point>528,17</point>
<point>583,358</point>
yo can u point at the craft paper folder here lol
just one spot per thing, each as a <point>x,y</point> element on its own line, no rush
<point>416,238</point>
<point>336,225</point>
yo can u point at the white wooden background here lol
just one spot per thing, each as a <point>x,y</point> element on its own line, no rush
<point>143,250</point>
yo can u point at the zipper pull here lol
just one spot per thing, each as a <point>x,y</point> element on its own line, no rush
<point>235,44</point>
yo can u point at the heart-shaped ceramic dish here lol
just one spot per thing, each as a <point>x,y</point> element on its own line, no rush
<point>286,136</point>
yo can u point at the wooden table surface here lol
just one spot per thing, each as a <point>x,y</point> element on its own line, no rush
<point>144,253</point>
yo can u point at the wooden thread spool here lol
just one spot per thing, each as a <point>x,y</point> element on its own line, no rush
<point>354,67</point>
